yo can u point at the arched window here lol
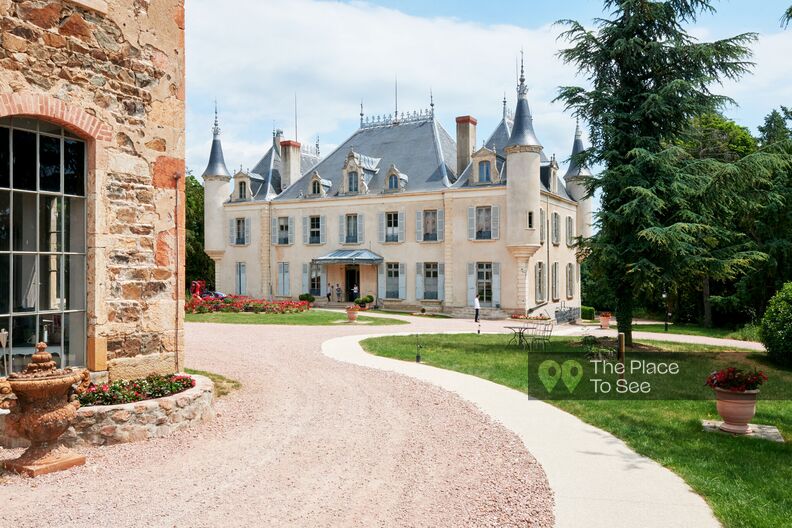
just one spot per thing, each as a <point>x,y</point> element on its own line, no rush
<point>484,171</point>
<point>352,182</point>
<point>316,187</point>
<point>242,191</point>
<point>42,240</point>
<point>393,183</point>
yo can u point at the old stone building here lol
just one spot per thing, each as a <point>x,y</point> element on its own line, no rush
<point>91,182</point>
<point>407,214</point>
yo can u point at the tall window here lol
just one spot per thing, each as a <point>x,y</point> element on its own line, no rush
<point>392,280</point>
<point>484,172</point>
<point>554,280</point>
<point>483,223</point>
<point>316,281</point>
<point>242,191</point>
<point>430,226</point>
<point>393,182</point>
<point>351,229</point>
<point>352,182</point>
<point>570,231</point>
<point>556,228</point>
<point>315,230</point>
<point>316,187</point>
<point>542,225</point>
<point>530,220</point>
<point>430,272</point>
<point>240,232</point>
<point>284,288</point>
<point>391,227</point>
<point>484,282</point>
<point>540,282</point>
<point>241,278</point>
<point>283,230</point>
<point>570,281</point>
<point>42,240</point>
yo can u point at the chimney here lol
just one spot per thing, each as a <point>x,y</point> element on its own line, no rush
<point>466,140</point>
<point>277,137</point>
<point>290,162</point>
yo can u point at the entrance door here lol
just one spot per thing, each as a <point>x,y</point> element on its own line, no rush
<point>352,279</point>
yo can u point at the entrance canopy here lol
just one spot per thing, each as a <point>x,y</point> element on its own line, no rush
<point>349,256</point>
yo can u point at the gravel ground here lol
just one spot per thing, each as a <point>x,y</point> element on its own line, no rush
<point>307,441</point>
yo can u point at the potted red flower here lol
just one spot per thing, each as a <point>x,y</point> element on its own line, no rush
<point>352,312</point>
<point>605,318</point>
<point>736,391</point>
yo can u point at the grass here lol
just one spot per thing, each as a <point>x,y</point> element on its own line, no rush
<point>223,386</point>
<point>746,333</point>
<point>308,318</point>
<point>745,480</point>
<point>415,314</point>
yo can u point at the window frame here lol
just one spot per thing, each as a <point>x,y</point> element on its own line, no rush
<point>314,239</point>
<point>393,178</point>
<point>476,220</point>
<point>431,275</point>
<point>486,176</point>
<point>351,220</point>
<point>391,227</point>
<point>392,275</point>
<point>430,236</point>
<point>484,283</point>
<point>283,227</point>
<point>242,193</point>
<point>353,177</point>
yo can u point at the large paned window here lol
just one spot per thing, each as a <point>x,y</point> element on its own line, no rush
<point>392,280</point>
<point>283,230</point>
<point>391,227</point>
<point>315,230</point>
<point>431,273</point>
<point>483,223</point>
<point>241,278</point>
<point>484,282</point>
<point>352,229</point>
<point>42,240</point>
<point>430,226</point>
<point>352,182</point>
<point>484,172</point>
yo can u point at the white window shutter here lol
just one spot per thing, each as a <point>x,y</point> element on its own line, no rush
<point>471,223</point>
<point>341,229</point>
<point>323,280</point>
<point>542,225</point>
<point>401,226</point>
<point>538,282</point>
<point>496,284</point>
<point>279,289</point>
<point>419,226</point>
<point>471,283</point>
<point>402,281</point>
<point>305,229</point>
<point>419,281</point>
<point>247,230</point>
<point>360,233</point>
<point>305,277</point>
<point>231,231</point>
<point>495,222</point>
<point>381,227</point>
<point>286,280</point>
<point>441,281</point>
<point>322,227</point>
<point>381,280</point>
<point>291,230</point>
<point>274,230</point>
<point>440,225</point>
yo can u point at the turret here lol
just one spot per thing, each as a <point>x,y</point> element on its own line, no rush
<point>523,166</point>
<point>216,191</point>
<point>575,179</point>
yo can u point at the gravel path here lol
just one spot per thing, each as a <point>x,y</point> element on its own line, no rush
<point>307,441</point>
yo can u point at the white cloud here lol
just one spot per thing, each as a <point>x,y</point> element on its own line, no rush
<point>255,55</point>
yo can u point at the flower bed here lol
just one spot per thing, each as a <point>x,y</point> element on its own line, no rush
<point>236,303</point>
<point>524,317</point>
<point>130,391</point>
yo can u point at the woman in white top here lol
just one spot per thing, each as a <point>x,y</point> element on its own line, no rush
<point>477,307</point>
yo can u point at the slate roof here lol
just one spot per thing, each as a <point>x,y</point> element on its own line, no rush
<point>216,165</point>
<point>420,149</point>
<point>575,169</point>
<point>350,256</point>
<point>268,171</point>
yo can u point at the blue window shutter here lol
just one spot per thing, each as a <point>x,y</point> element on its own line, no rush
<point>247,230</point>
<point>402,281</point>
<point>323,279</point>
<point>361,224</point>
<point>231,231</point>
<point>381,225</point>
<point>286,280</point>
<point>440,225</point>
<point>401,226</point>
<point>471,283</point>
<point>495,222</point>
<point>322,226</point>
<point>291,230</point>
<point>471,223</point>
<point>542,225</point>
<point>305,229</point>
<point>419,226</point>
<point>496,284</point>
<point>274,231</point>
<point>305,277</point>
<point>441,281</point>
<point>381,280</point>
<point>341,229</point>
<point>419,281</point>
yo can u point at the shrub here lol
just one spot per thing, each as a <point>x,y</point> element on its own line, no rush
<point>368,299</point>
<point>587,313</point>
<point>126,391</point>
<point>307,297</point>
<point>359,300</point>
<point>776,329</point>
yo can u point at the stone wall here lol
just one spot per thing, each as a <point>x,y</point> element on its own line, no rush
<point>134,422</point>
<point>113,73</point>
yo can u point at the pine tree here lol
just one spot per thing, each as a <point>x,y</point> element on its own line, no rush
<point>774,128</point>
<point>198,265</point>
<point>648,78</point>
<point>787,18</point>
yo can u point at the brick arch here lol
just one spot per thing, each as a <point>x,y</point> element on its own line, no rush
<point>59,112</point>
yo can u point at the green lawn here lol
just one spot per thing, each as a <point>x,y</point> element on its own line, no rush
<point>747,333</point>
<point>309,318</point>
<point>745,480</point>
<point>223,386</point>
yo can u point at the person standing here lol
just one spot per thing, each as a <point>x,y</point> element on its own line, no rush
<point>355,291</point>
<point>476,307</point>
<point>329,291</point>
<point>338,292</point>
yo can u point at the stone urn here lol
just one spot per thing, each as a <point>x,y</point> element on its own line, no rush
<point>737,409</point>
<point>605,319</point>
<point>41,413</point>
<point>352,313</point>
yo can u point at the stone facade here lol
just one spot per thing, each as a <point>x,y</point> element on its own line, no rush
<point>113,74</point>
<point>133,422</point>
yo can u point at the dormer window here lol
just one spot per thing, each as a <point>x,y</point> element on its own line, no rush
<point>316,187</point>
<point>393,183</point>
<point>242,190</point>
<point>352,182</point>
<point>485,176</point>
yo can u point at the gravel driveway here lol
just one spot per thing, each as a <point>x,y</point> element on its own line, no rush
<point>307,441</point>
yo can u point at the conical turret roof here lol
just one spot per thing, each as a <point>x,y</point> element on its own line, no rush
<point>523,132</point>
<point>576,169</point>
<point>216,165</point>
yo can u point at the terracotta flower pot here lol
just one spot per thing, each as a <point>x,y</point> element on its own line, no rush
<point>352,315</point>
<point>605,322</point>
<point>736,409</point>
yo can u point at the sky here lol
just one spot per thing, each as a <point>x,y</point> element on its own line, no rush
<point>255,56</point>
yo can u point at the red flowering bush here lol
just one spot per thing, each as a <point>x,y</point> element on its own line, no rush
<point>238,303</point>
<point>125,391</point>
<point>736,380</point>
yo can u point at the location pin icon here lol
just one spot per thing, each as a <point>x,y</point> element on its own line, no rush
<point>571,374</point>
<point>549,374</point>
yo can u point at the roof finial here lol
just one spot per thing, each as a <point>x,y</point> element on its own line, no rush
<point>521,88</point>
<point>431,101</point>
<point>578,132</point>
<point>317,145</point>
<point>504,105</point>
<point>216,127</point>
<point>361,113</point>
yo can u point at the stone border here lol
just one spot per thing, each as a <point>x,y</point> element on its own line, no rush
<point>134,422</point>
